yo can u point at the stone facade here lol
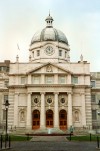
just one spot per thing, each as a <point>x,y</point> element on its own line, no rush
<point>49,91</point>
<point>95,99</point>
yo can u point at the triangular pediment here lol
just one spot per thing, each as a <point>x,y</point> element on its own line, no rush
<point>49,68</point>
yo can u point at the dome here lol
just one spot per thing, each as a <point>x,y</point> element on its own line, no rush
<point>49,33</point>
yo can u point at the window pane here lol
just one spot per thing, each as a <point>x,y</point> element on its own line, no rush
<point>93,83</point>
<point>38,52</point>
<point>94,114</point>
<point>75,80</point>
<point>93,98</point>
<point>61,79</point>
<point>23,80</point>
<point>49,79</point>
<point>60,52</point>
<point>6,83</point>
<point>36,79</point>
<point>5,98</point>
<point>4,114</point>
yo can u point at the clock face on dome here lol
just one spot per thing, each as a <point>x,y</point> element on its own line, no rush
<point>49,50</point>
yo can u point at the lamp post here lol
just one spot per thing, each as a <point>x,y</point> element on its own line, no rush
<point>6,107</point>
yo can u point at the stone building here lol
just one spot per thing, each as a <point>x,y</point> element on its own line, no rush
<point>4,92</point>
<point>95,99</point>
<point>49,91</point>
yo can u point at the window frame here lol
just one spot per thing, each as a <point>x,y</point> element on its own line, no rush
<point>38,53</point>
<point>60,52</point>
<point>93,83</point>
<point>60,79</point>
<point>73,79</point>
<point>47,80</point>
<point>24,80</point>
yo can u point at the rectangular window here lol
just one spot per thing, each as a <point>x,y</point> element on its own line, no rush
<point>65,54</point>
<point>60,52</point>
<point>49,79</point>
<point>33,54</point>
<point>74,80</point>
<point>38,52</point>
<point>94,114</point>
<point>23,80</point>
<point>6,83</point>
<point>36,79</point>
<point>4,114</point>
<point>93,83</point>
<point>93,98</point>
<point>5,98</point>
<point>61,79</point>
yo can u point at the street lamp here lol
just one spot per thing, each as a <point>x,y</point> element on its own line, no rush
<point>6,107</point>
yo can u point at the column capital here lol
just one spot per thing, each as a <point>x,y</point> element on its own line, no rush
<point>29,93</point>
<point>42,93</point>
<point>56,92</point>
<point>69,93</point>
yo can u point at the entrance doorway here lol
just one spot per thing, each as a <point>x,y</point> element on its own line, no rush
<point>49,118</point>
<point>63,119</point>
<point>36,119</point>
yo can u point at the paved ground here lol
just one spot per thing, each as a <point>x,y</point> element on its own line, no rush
<point>54,146</point>
<point>48,143</point>
<point>49,138</point>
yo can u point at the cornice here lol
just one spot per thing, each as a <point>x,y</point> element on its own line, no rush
<point>4,90</point>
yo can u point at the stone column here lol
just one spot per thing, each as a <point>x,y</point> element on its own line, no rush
<point>56,79</point>
<point>29,79</point>
<point>83,110</point>
<point>42,114</point>
<point>69,79</point>
<point>29,112</point>
<point>56,111</point>
<point>69,109</point>
<point>42,79</point>
<point>16,99</point>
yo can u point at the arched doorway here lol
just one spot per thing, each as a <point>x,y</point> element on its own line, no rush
<point>63,119</point>
<point>49,118</point>
<point>36,119</point>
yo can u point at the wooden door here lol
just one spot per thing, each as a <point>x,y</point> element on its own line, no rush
<point>36,119</point>
<point>49,118</point>
<point>63,119</point>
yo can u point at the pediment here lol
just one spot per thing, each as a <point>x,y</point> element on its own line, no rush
<point>49,68</point>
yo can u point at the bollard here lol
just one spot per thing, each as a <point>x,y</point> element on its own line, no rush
<point>90,137</point>
<point>9,142</point>
<point>1,141</point>
<point>97,142</point>
<point>27,136</point>
<point>70,136</point>
<point>5,142</point>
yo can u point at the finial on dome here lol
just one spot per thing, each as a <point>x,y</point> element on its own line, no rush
<point>81,58</point>
<point>30,58</point>
<point>49,12</point>
<point>49,20</point>
<point>17,59</point>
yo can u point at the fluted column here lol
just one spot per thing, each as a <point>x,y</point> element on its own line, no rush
<point>29,114</point>
<point>56,111</point>
<point>69,109</point>
<point>83,110</point>
<point>16,109</point>
<point>42,116</point>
